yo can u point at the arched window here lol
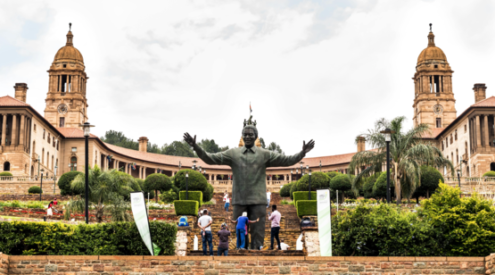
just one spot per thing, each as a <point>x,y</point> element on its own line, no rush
<point>48,159</point>
<point>32,170</point>
<point>492,166</point>
<point>73,164</point>
<point>455,135</point>
<point>6,166</point>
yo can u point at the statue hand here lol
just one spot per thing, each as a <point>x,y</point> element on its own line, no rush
<point>190,140</point>
<point>309,146</point>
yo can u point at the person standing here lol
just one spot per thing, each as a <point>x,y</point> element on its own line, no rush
<point>226,199</point>
<point>205,224</point>
<point>49,212</point>
<point>268,198</point>
<point>223,244</point>
<point>275,218</point>
<point>240,229</point>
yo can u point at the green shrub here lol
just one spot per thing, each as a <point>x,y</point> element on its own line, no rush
<point>168,196</point>
<point>5,174</point>
<point>15,203</point>
<point>350,200</point>
<point>35,204</point>
<point>196,181</point>
<point>333,174</point>
<point>380,187</point>
<point>193,196</point>
<point>488,174</point>
<point>157,182</point>
<point>369,182</point>
<point>208,194</point>
<point>186,208</point>
<point>34,190</point>
<point>306,208</point>
<point>303,195</point>
<point>430,177</point>
<point>285,190</point>
<point>341,182</point>
<point>64,183</point>
<point>29,238</point>
<point>319,180</point>
<point>293,189</point>
<point>146,190</point>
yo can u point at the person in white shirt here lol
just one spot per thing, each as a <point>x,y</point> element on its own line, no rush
<point>205,224</point>
<point>284,246</point>
<point>268,197</point>
<point>226,199</point>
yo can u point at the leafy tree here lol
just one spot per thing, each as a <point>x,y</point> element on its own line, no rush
<point>157,182</point>
<point>275,147</point>
<point>408,152</point>
<point>225,148</point>
<point>209,145</point>
<point>178,148</point>
<point>262,141</point>
<point>285,190</point>
<point>196,182</point>
<point>64,183</point>
<point>380,187</point>
<point>119,139</point>
<point>369,182</point>
<point>153,148</point>
<point>332,174</point>
<point>319,180</point>
<point>107,192</point>
<point>430,178</point>
<point>342,183</point>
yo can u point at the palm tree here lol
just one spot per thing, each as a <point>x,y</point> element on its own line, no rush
<point>107,193</point>
<point>408,151</point>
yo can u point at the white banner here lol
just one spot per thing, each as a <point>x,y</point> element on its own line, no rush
<point>138,206</point>
<point>324,222</point>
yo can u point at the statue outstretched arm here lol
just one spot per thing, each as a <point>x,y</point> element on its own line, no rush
<point>277,160</point>
<point>221,158</point>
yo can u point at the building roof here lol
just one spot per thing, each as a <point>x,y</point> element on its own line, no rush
<point>10,101</point>
<point>431,52</point>
<point>487,102</point>
<point>73,132</point>
<point>69,52</point>
<point>433,133</point>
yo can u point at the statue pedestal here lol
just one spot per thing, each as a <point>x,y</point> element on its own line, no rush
<point>182,240</point>
<point>311,241</point>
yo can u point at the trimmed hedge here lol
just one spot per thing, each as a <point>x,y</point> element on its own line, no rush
<point>341,182</point>
<point>488,174</point>
<point>5,174</point>
<point>303,195</point>
<point>122,238</point>
<point>193,196</point>
<point>196,182</point>
<point>208,195</point>
<point>34,190</point>
<point>306,208</point>
<point>186,208</point>
<point>319,180</point>
<point>157,182</point>
<point>64,183</point>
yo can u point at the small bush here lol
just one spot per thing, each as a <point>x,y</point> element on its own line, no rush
<point>34,190</point>
<point>369,182</point>
<point>488,174</point>
<point>319,180</point>
<point>168,196</point>
<point>15,203</point>
<point>64,183</point>
<point>306,208</point>
<point>35,204</point>
<point>208,194</point>
<point>293,188</point>
<point>303,195</point>
<point>430,177</point>
<point>5,174</point>
<point>157,182</point>
<point>380,187</point>
<point>285,190</point>
<point>192,196</point>
<point>341,182</point>
<point>186,208</point>
<point>333,174</point>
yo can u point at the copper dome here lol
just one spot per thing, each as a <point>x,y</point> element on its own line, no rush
<point>68,52</point>
<point>432,52</point>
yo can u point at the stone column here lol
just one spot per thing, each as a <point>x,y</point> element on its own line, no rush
<point>312,241</point>
<point>156,170</point>
<point>14,130</point>
<point>478,132</point>
<point>181,240</point>
<point>140,172</point>
<point>485,131</point>
<point>23,128</point>
<point>144,173</point>
<point>4,129</point>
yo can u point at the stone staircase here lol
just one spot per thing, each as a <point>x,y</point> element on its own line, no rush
<point>289,224</point>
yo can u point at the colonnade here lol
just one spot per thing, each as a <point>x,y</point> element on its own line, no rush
<point>482,134</point>
<point>15,131</point>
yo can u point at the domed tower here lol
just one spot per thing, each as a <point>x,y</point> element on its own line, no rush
<point>66,103</point>
<point>434,101</point>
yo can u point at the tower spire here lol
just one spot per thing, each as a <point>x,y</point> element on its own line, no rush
<point>69,36</point>
<point>430,27</point>
<point>70,25</point>
<point>431,38</point>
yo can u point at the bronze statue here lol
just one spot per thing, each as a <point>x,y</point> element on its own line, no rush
<point>249,165</point>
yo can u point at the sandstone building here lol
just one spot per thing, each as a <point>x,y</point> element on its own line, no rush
<point>54,142</point>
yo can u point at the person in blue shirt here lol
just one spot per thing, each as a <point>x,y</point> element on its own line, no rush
<point>240,229</point>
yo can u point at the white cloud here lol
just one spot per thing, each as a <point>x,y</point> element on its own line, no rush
<point>322,70</point>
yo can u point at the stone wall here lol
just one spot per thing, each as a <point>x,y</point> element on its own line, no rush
<point>11,187</point>
<point>165,265</point>
<point>4,264</point>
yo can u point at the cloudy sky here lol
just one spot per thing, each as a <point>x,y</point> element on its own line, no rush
<point>325,70</point>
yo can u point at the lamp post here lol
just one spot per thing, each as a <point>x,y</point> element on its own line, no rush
<point>320,165</point>
<point>86,127</point>
<point>459,178</point>
<point>187,186</point>
<point>39,166</point>
<point>41,183</point>
<point>302,169</point>
<point>55,179</point>
<point>194,165</point>
<point>180,165</point>
<point>291,171</point>
<point>309,191</point>
<point>388,137</point>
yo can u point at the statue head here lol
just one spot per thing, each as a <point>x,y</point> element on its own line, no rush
<point>249,135</point>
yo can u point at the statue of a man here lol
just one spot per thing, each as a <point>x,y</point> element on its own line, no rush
<point>249,165</point>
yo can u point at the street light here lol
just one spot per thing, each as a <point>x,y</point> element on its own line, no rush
<point>388,137</point>
<point>194,165</point>
<point>86,127</point>
<point>180,165</point>
<point>39,164</point>
<point>309,192</point>
<point>187,186</point>
<point>291,171</point>
<point>41,183</point>
<point>302,171</point>
<point>459,178</point>
<point>320,165</point>
<point>55,179</point>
